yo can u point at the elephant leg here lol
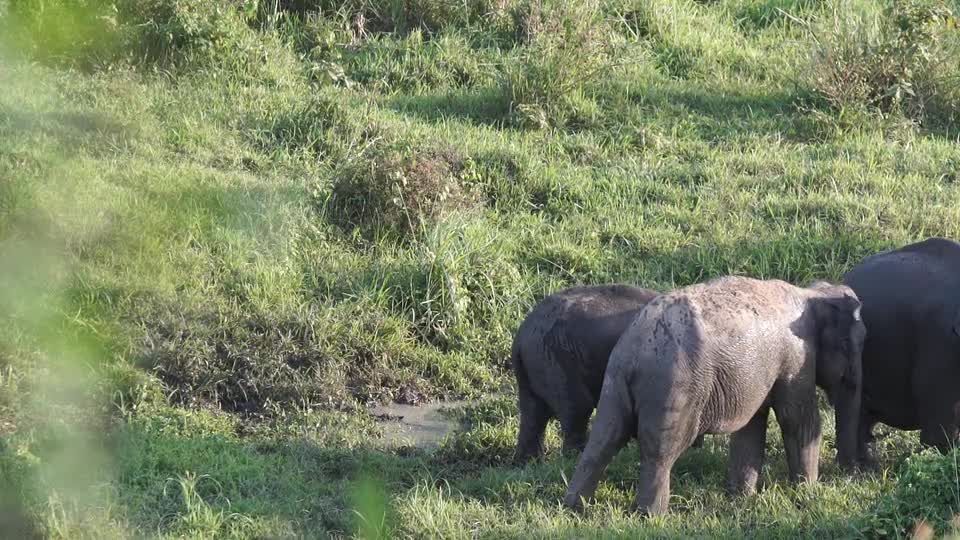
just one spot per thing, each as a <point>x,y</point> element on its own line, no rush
<point>864,438</point>
<point>747,452</point>
<point>573,423</point>
<point>534,415</point>
<point>938,427</point>
<point>610,431</point>
<point>653,486</point>
<point>662,438</point>
<point>800,424</point>
<point>934,392</point>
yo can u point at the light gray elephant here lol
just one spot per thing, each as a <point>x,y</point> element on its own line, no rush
<point>715,358</point>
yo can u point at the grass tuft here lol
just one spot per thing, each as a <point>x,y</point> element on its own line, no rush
<point>899,61</point>
<point>401,192</point>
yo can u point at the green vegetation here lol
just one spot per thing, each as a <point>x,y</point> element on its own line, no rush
<point>229,226</point>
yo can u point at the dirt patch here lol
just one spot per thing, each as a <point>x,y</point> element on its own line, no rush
<point>423,426</point>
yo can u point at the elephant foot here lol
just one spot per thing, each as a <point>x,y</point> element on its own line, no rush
<point>866,463</point>
<point>523,456</point>
<point>572,450</point>
<point>574,503</point>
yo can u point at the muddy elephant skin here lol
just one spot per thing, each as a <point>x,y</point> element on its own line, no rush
<point>911,358</point>
<point>716,358</point>
<point>559,356</point>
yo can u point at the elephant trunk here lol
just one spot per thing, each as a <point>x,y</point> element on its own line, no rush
<point>846,405</point>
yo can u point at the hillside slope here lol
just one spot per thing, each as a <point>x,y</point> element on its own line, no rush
<point>227,230</point>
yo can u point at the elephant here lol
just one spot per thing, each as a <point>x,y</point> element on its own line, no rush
<point>559,356</point>
<point>715,358</point>
<point>911,357</point>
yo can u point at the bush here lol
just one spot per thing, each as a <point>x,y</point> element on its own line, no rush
<point>399,191</point>
<point>567,53</point>
<point>904,61</point>
<point>928,490</point>
<point>172,31</point>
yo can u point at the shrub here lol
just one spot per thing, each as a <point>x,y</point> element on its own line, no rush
<point>402,192</point>
<point>904,61</point>
<point>567,53</point>
<point>928,490</point>
<point>172,31</point>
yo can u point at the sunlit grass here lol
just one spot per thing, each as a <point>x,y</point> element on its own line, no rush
<point>191,329</point>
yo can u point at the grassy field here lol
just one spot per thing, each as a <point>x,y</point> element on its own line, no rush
<point>229,227</point>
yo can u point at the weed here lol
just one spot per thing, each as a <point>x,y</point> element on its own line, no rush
<point>198,518</point>
<point>927,490</point>
<point>899,60</point>
<point>400,191</point>
<point>567,53</point>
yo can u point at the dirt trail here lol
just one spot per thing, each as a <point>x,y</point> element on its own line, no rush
<point>422,426</point>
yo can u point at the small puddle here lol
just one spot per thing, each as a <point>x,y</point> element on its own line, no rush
<point>423,426</point>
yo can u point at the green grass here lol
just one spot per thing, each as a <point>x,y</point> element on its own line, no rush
<point>225,237</point>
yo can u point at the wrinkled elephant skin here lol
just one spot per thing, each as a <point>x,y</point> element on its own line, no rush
<point>716,358</point>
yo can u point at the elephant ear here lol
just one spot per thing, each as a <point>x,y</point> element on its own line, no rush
<point>845,313</point>
<point>836,316</point>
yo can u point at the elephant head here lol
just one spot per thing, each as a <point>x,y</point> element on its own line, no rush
<point>840,335</point>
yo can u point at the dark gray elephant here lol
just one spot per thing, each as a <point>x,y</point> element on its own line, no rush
<point>715,358</point>
<point>911,358</point>
<point>559,357</point>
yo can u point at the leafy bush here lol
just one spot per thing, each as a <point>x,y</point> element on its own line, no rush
<point>904,60</point>
<point>399,191</point>
<point>170,31</point>
<point>568,52</point>
<point>927,490</point>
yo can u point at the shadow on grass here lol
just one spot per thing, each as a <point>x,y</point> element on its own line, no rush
<point>484,108</point>
<point>717,116</point>
<point>308,487</point>
<point>72,129</point>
